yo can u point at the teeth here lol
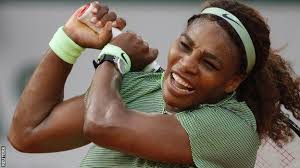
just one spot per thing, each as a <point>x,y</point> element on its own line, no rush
<point>181,81</point>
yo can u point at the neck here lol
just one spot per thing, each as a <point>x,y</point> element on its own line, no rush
<point>171,109</point>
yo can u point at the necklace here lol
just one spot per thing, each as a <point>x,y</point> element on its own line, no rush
<point>164,111</point>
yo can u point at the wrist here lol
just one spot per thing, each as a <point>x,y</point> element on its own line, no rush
<point>64,47</point>
<point>112,65</point>
<point>71,34</point>
<point>117,55</point>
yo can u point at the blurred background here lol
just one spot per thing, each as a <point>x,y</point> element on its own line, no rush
<point>26,27</point>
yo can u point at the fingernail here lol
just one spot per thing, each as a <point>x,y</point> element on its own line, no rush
<point>95,10</point>
<point>99,24</point>
<point>109,26</point>
<point>94,20</point>
<point>114,24</point>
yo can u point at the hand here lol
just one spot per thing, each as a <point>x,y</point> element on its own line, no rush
<point>85,36</point>
<point>138,50</point>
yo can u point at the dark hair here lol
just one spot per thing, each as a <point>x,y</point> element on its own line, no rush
<point>271,85</point>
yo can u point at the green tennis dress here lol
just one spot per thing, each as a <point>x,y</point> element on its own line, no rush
<point>222,135</point>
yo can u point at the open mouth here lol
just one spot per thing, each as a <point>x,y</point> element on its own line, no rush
<point>181,85</point>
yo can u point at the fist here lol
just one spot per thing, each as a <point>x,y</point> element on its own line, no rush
<point>137,49</point>
<point>102,18</point>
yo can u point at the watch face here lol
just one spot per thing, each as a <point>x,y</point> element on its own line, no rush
<point>121,66</point>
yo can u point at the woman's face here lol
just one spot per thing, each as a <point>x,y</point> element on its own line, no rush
<point>202,67</point>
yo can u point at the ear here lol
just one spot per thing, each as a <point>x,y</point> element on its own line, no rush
<point>234,83</point>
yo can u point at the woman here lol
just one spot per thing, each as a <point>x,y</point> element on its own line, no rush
<point>220,94</point>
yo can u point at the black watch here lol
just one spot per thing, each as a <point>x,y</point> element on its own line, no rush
<point>120,64</point>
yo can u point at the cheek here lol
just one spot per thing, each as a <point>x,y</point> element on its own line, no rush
<point>174,55</point>
<point>209,82</point>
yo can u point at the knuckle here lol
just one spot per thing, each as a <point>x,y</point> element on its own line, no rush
<point>143,48</point>
<point>139,37</point>
<point>113,15</point>
<point>105,18</point>
<point>126,34</point>
<point>101,14</point>
<point>122,21</point>
<point>132,34</point>
<point>96,4</point>
<point>110,16</point>
<point>104,7</point>
<point>146,44</point>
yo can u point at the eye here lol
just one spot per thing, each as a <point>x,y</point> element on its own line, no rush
<point>210,65</point>
<point>184,46</point>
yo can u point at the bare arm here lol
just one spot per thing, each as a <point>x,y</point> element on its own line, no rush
<point>43,122</point>
<point>110,124</point>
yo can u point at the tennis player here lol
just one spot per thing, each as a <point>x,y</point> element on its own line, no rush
<point>221,93</point>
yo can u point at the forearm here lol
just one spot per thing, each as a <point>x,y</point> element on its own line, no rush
<point>43,91</point>
<point>104,105</point>
<point>104,93</point>
<point>42,121</point>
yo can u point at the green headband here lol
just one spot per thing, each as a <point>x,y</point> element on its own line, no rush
<point>241,31</point>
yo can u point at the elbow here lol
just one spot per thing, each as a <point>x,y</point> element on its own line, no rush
<point>20,138</point>
<point>96,131</point>
<point>101,130</point>
<point>18,135</point>
<point>20,143</point>
<point>89,129</point>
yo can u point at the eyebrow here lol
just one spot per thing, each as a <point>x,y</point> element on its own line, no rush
<point>188,38</point>
<point>208,54</point>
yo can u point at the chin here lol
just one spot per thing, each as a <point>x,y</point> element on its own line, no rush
<point>174,104</point>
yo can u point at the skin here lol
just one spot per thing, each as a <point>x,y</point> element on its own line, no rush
<point>207,59</point>
<point>212,77</point>
<point>40,122</point>
<point>42,119</point>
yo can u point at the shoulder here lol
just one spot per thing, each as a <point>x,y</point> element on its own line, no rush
<point>220,131</point>
<point>229,109</point>
<point>219,121</point>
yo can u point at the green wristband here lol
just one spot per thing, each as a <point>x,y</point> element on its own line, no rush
<point>64,47</point>
<point>117,52</point>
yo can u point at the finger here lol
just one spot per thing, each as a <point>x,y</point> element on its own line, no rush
<point>132,33</point>
<point>139,38</point>
<point>100,10</point>
<point>153,53</point>
<point>146,44</point>
<point>108,26</point>
<point>119,23</point>
<point>105,33</point>
<point>94,20</point>
<point>100,24</point>
<point>79,11</point>
<point>144,48</point>
<point>110,16</point>
<point>97,2</point>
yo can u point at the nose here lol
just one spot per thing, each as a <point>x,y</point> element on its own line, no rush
<point>189,64</point>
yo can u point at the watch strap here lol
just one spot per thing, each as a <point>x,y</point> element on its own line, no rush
<point>116,51</point>
<point>108,58</point>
